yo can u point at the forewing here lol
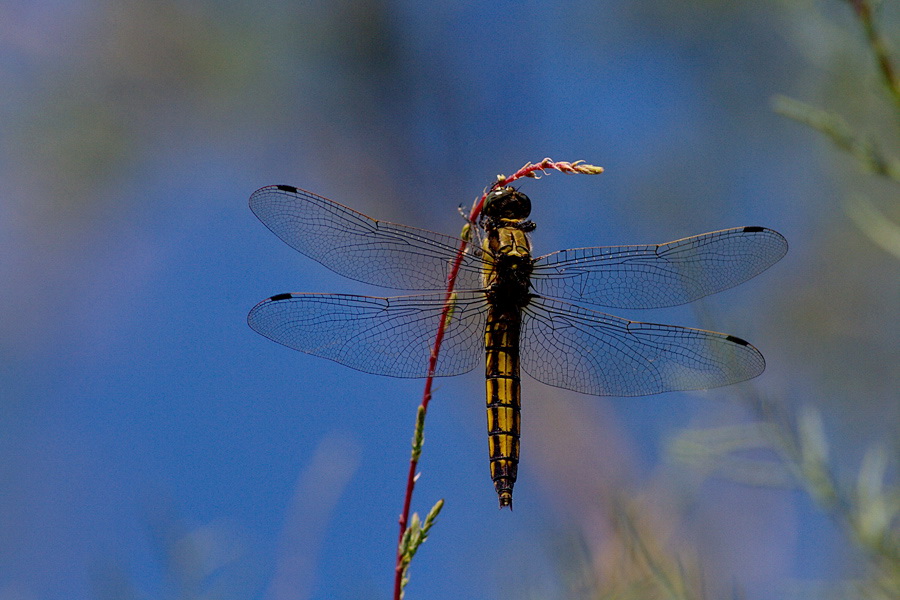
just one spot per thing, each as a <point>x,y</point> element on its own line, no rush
<point>586,351</point>
<point>384,336</point>
<point>359,247</point>
<point>657,276</point>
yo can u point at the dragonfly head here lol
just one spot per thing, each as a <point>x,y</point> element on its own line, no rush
<point>507,203</point>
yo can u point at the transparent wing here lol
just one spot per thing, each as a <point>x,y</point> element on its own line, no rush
<point>657,276</point>
<point>586,351</point>
<point>360,247</point>
<point>384,336</point>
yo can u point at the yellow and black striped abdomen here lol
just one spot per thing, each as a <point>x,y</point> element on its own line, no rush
<point>501,342</point>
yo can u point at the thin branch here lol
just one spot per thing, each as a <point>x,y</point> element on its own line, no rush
<point>863,10</point>
<point>883,232</point>
<point>867,152</point>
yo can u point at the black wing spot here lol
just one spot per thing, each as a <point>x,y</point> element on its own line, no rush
<point>287,188</point>
<point>737,340</point>
<point>753,229</point>
<point>278,297</point>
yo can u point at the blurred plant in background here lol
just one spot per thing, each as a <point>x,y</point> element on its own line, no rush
<point>783,446</point>
<point>866,507</point>
<point>867,148</point>
<point>867,510</point>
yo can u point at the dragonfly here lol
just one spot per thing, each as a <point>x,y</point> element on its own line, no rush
<point>510,311</point>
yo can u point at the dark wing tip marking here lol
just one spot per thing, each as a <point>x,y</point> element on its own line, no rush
<point>772,233</point>
<point>278,297</point>
<point>735,339</point>
<point>287,188</point>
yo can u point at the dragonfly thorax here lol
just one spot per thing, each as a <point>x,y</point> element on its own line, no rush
<point>508,269</point>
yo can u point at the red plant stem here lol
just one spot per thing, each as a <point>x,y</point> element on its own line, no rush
<point>426,398</point>
<point>526,171</point>
<point>863,11</point>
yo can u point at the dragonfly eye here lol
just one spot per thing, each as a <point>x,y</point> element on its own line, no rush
<point>507,203</point>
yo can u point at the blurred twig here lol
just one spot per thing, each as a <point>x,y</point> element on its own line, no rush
<point>878,45</point>
<point>668,576</point>
<point>634,560</point>
<point>868,510</point>
<point>874,224</point>
<point>866,151</point>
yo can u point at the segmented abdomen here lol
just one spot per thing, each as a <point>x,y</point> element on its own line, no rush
<point>501,342</point>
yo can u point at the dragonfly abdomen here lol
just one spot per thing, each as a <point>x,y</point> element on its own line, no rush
<point>507,273</point>
<point>501,342</point>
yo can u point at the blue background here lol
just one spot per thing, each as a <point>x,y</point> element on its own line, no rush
<point>153,446</point>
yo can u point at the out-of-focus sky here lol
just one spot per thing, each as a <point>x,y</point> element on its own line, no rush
<point>153,446</point>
